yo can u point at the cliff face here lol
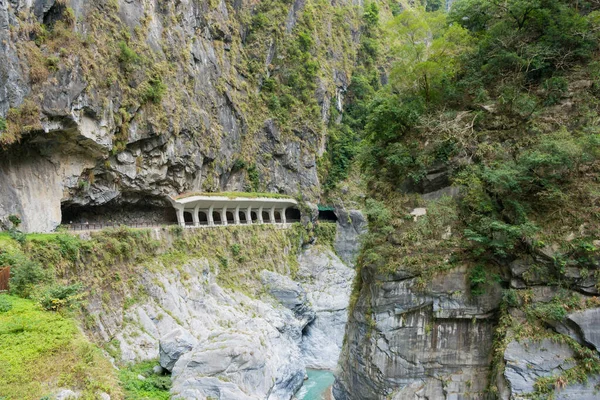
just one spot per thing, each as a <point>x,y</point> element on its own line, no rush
<point>436,316</point>
<point>125,102</point>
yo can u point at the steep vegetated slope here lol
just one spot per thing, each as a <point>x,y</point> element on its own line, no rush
<point>479,276</point>
<point>232,313</point>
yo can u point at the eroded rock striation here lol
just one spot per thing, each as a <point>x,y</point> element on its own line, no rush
<point>222,343</point>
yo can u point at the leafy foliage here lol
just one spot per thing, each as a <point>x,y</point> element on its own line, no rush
<point>153,387</point>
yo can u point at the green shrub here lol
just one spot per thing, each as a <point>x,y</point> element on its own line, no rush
<point>235,249</point>
<point>555,89</point>
<point>57,297</point>
<point>25,275</point>
<point>17,235</point>
<point>2,124</point>
<point>478,280</point>
<point>52,63</point>
<point>15,220</point>
<point>154,90</point>
<point>510,297</point>
<point>253,177</point>
<point>128,55</point>
<point>153,387</point>
<point>5,304</point>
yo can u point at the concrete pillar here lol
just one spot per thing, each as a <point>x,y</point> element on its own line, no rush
<point>180,217</point>
<point>249,216</point>
<point>224,216</point>
<point>283,220</point>
<point>260,218</point>
<point>236,215</point>
<point>195,216</point>
<point>211,221</point>
<point>272,215</point>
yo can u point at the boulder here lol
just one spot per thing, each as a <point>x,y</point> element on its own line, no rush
<point>290,294</point>
<point>173,345</point>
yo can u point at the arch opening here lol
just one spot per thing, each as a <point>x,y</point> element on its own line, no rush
<point>292,215</point>
<point>254,217</point>
<point>203,217</point>
<point>243,218</point>
<point>187,216</point>
<point>278,217</point>
<point>229,217</point>
<point>265,216</point>
<point>217,218</point>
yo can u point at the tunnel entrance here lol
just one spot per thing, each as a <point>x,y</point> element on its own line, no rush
<point>327,214</point>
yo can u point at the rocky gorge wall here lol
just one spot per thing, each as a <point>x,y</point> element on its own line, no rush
<point>126,102</point>
<point>428,324</point>
<point>231,312</point>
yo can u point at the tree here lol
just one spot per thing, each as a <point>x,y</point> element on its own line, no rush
<point>427,50</point>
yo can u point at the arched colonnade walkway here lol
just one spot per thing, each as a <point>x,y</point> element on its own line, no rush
<point>199,210</point>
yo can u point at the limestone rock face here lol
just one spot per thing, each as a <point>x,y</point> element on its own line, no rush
<point>290,294</point>
<point>406,342</point>
<point>588,325</point>
<point>96,140</point>
<point>173,345</point>
<point>328,283</point>
<point>223,344</point>
<point>530,360</point>
<point>351,225</point>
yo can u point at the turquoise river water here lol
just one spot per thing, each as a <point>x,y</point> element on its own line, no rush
<point>317,384</point>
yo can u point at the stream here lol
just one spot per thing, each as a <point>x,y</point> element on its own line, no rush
<point>316,386</point>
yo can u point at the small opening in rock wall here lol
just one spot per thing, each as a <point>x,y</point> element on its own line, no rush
<point>54,14</point>
<point>327,215</point>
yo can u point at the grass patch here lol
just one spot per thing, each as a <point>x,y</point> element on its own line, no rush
<point>233,195</point>
<point>153,387</point>
<point>43,351</point>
